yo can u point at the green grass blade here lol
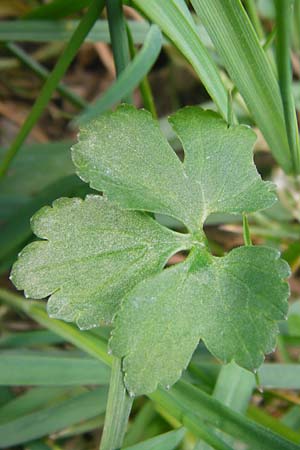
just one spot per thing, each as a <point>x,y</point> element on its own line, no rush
<point>233,388</point>
<point>118,35</point>
<point>246,62</point>
<point>284,12</point>
<point>54,418</point>
<point>177,24</point>
<point>53,80</point>
<point>187,403</point>
<point>280,376</point>
<point>144,86</point>
<point>129,78</point>
<point>34,338</point>
<point>57,9</point>
<point>119,404</point>
<point>273,424</point>
<point>43,73</point>
<point>43,368</point>
<point>166,441</point>
<point>34,399</point>
<point>60,31</point>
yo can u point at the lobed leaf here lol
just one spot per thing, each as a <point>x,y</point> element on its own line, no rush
<point>223,301</point>
<point>125,155</point>
<point>92,253</point>
<point>101,251</point>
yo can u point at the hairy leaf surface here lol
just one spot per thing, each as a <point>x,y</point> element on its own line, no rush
<point>232,303</point>
<point>90,255</point>
<point>125,155</point>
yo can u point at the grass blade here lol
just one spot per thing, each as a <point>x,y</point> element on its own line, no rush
<point>53,80</point>
<point>166,441</point>
<point>246,62</point>
<point>183,400</point>
<point>51,30</point>
<point>54,418</point>
<point>177,24</point>
<point>118,35</point>
<point>129,78</point>
<point>53,369</point>
<point>284,14</point>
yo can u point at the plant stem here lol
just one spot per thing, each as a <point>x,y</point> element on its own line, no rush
<point>118,36</point>
<point>118,408</point>
<point>284,13</point>
<point>145,87</point>
<point>53,80</point>
<point>246,231</point>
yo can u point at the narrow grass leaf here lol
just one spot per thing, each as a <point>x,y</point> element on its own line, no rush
<point>166,441</point>
<point>231,31</point>
<point>189,404</point>
<point>54,418</point>
<point>44,368</point>
<point>177,24</point>
<point>132,75</point>
<point>60,31</point>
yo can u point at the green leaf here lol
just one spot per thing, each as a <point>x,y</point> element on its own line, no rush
<point>224,301</point>
<point>95,254</point>
<point>218,174</point>
<point>92,253</point>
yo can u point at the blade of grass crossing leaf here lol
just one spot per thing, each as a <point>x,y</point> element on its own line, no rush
<point>129,78</point>
<point>177,24</point>
<point>180,403</point>
<point>53,80</point>
<point>246,62</point>
<point>43,73</point>
<point>284,14</point>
